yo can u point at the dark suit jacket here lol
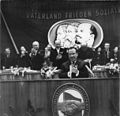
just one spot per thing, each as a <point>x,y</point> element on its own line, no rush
<point>97,59</point>
<point>58,62</point>
<point>7,62</point>
<point>115,56</point>
<point>85,53</point>
<point>83,73</point>
<point>24,61</point>
<point>37,61</point>
<point>105,59</point>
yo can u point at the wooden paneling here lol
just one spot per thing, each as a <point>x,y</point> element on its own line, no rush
<point>34,97</point>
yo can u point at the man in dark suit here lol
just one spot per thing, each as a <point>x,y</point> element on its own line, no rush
<point>74,67</point>
<point>106,52</point>
<point>97,59</point>
<point>58,55</point>
<point>23,59</point>
<point>8,60</point>
<point>36,57</point>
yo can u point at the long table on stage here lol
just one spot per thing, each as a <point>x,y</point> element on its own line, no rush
<point>32,96</point>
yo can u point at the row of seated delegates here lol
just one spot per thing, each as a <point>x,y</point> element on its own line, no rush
<point>56,56</point>
<point>72,67</point>
<point>60,55</point>
<point>10,60</point>
<point>105,55</point>
<point>34,59</point>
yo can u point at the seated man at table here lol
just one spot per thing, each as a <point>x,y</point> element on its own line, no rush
<point>74,67</point>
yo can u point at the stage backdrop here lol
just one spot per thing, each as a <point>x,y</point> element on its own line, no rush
<point>29,21</point>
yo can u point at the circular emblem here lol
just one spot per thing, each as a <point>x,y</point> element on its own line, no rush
<point>75,32</point>
<point>70,99</point>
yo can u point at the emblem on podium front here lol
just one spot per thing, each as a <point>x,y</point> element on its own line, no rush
<point>70,99</point>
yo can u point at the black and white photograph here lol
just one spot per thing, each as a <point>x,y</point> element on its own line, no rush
<point>59,58</point>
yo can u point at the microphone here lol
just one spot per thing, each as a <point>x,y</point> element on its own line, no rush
<point>90,71</point>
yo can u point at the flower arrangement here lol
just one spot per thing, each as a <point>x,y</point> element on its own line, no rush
<point>114,68</point>
<point>48,72</point>
<point>19,71</point>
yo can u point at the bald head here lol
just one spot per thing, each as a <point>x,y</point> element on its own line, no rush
<point>35,45</point>
<point>7,51</point>
<point>107,46</point>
